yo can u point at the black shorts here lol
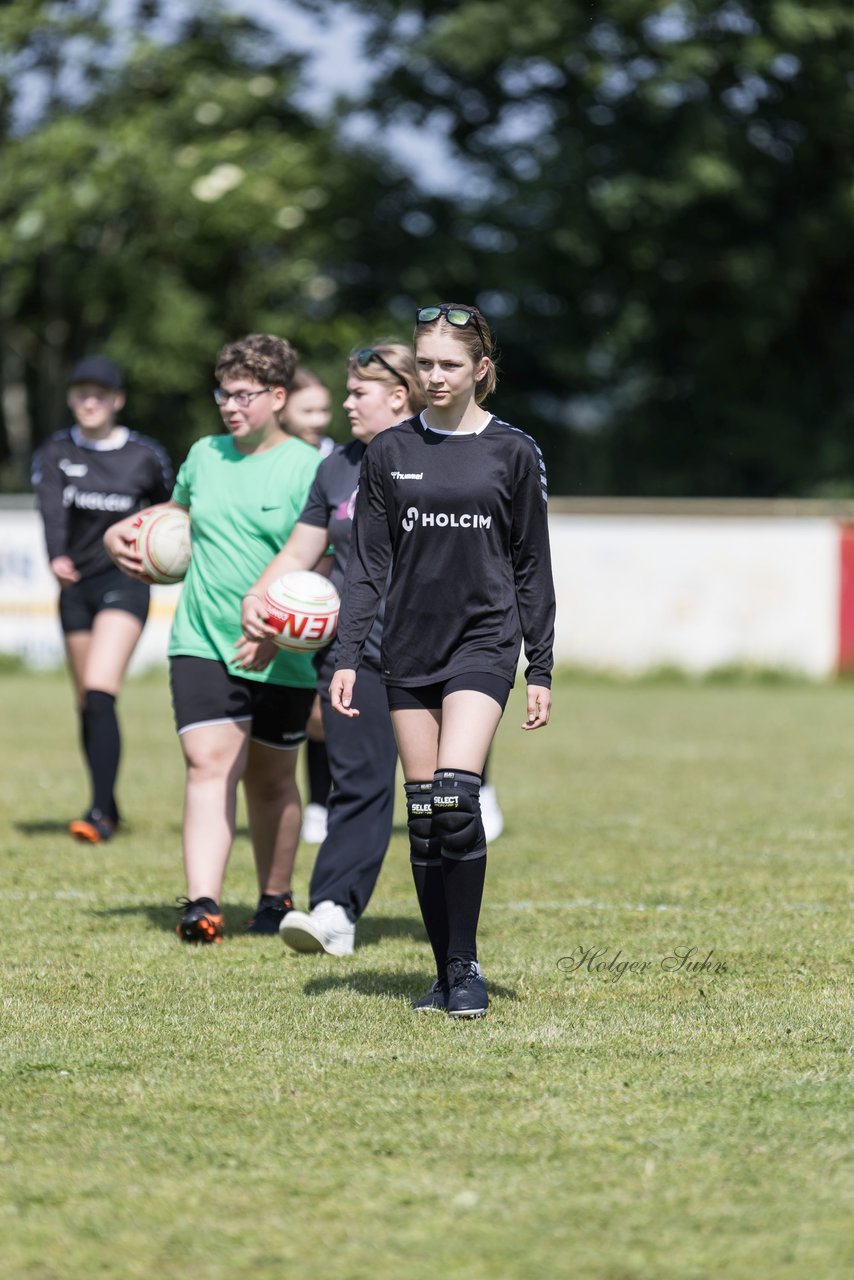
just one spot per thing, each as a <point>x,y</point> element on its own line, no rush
<point>205,692</point>
<point>109,589</point>
<point>428,697</point>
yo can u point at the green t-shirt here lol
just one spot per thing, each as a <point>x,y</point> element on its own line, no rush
<point>243,507</point>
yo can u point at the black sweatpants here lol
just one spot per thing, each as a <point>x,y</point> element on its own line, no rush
<point>362,759</point>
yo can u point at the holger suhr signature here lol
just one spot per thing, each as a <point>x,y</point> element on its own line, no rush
<point>610,965</point>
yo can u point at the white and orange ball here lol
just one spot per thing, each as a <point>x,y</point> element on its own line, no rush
<point>302,607</point>
<point>163,544</point>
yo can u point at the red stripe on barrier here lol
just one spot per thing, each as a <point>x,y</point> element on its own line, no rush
<point>845,652</point>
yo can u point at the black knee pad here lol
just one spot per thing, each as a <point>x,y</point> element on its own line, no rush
<point>456,813</point>
<point>423,844</point>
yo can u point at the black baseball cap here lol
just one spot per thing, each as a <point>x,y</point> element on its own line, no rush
<point>97,369</point>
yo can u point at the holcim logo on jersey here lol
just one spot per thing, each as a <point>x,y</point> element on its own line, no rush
<point>444,520</point>
<point>72,497</point>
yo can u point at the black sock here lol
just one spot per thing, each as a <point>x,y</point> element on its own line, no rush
<point>319,777</point>
<point>463,870</point>
<point>426,861</point>
<point>464,879</point>
<point>430,888</point>
<point>102,744</point>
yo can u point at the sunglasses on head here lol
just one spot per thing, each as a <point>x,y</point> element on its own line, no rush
<point>459,317</point>
<point>363,357</point>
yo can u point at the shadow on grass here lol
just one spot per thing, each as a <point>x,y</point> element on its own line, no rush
<point>46,827</point>
<point>165,916</point>
<point>52,826</point>
<point>160,915</point>
<point>409,984</point>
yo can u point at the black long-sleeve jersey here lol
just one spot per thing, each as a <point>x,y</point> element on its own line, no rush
<point>85,486</point>
<point>463,521</point>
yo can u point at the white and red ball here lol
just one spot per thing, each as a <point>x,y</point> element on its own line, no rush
<point>163,544</point>
<point>303,608</point>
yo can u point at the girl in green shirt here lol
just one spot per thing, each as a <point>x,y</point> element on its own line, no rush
<point>237,719</point>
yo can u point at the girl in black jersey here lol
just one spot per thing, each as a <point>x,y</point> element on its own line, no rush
<point>453,502</point>
<point>86,478</point>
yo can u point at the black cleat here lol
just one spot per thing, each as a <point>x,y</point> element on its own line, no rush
<point>467,996</point>
<point>201,922</point>
<point>436,999</point>
<point>269,914</point>
<point>94,827</point>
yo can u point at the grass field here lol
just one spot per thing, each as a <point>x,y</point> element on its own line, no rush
<point>242,1111</point>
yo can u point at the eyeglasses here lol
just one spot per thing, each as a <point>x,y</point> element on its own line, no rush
<point>242,399</point>
<point>363,357</point>
<point>459,317</point>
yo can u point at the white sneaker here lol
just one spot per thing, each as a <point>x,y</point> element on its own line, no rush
<point>327,928</point>
<point>313,824</point>
<point>490,813</point>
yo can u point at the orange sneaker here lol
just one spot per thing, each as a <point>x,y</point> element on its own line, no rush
<point>201,922</point>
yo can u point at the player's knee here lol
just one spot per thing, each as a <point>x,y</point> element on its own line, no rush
<point>456,813</point>
<point>423,843</point>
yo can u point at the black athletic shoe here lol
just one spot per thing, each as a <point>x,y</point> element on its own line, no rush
<point>201,922</point>
<point>270,912</point>
<point>436,999</point>
<point>467,996</point>
<point>94,827</point>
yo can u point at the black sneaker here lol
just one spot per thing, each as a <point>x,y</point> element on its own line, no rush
<point>94,827</point>
<point>467,996</point>
<point>269,914</point>
<point>436,999</point>
<point>201,922</point>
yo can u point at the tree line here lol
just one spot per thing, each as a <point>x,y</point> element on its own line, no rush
<point>651,201</point>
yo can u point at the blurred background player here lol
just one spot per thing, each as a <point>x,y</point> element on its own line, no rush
<point>307,414</point>
<point>238,717</point>
<point>308,411</point>
<point>451,528</point>
<point>86,478</point>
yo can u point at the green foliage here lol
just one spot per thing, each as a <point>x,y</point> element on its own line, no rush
<point>652,201</point>
<point>181,201</point>
<point>660,220</point>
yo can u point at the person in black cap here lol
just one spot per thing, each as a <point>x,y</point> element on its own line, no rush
<point>87,477</point>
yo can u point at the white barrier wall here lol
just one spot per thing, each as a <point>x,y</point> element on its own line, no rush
<point>634,592</point>
<point>638,592</point>
<point>29,625</point>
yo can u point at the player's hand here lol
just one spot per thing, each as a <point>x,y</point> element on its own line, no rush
<point>254,655</point>
<point>539,706</point>
<point>120,545</point>
<point>253,618</point>
<point>62,568</point>
<point>341,692</point>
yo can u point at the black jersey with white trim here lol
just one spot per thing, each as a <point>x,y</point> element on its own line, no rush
<point>85,486</point>
<point>462,519</point>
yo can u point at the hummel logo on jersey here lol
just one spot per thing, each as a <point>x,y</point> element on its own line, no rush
<point>75,469</point>
<point>407,475</point>
<point>444,520</point>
